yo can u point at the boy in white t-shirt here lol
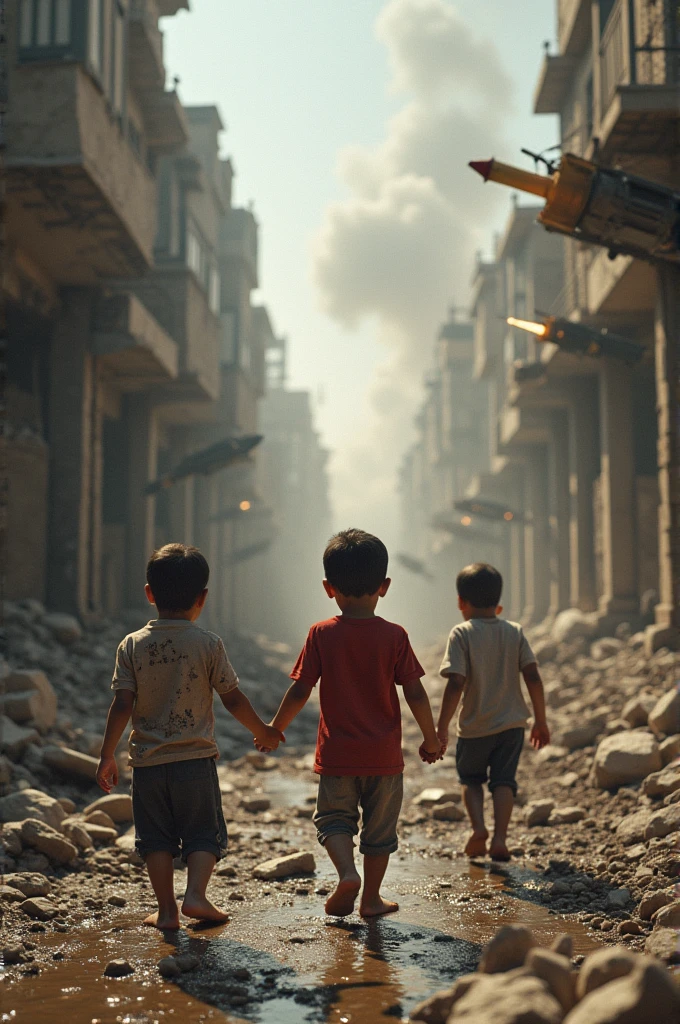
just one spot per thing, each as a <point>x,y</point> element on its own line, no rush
<point>482,664</point>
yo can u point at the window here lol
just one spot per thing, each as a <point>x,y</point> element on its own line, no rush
<point>214,291</point>
<point>45,28</point>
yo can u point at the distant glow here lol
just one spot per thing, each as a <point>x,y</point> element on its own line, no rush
<point>244,506</point>
<point>465,521</point>
<point>540,330</point>
<point>508,516</point>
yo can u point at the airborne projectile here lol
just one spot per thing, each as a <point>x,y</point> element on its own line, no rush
<point>582,339</point>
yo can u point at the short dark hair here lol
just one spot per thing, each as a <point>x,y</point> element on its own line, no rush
<point>355,563</point>
<point>480,585</point>
<point>178,575</point>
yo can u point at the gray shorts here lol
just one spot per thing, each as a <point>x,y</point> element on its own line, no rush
<point>490,757</point>
<point>379,798</point>
<point>178,807</point>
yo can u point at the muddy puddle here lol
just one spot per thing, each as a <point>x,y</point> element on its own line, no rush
<point>287,964</point>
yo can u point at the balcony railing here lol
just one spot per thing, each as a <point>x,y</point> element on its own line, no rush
<point>639,46</point>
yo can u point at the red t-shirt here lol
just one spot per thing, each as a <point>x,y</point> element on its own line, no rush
<point>360,663</point>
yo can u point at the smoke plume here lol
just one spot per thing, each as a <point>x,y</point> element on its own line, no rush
<point>400,248</point>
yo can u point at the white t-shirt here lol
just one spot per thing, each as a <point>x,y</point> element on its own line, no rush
<point>173,667</point>
<point>490,653</point>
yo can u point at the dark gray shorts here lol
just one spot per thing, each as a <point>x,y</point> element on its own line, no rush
<point>378,796</point>
<point>490,757</point>
<point>178,807</point>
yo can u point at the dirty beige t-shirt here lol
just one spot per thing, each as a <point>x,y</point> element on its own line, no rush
<point>173,667</point>
<point>490,653</point>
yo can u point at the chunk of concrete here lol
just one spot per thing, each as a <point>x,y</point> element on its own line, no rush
<point>31,803</point>
<point>663,822</point>
<point>625,757</point>
<point>29,697</point>
<point>64,628</point>
<point>448,812</point>
<point>282,867</point>
<point>537,812</point>
<point>118,806</point>
<point>14,738</point>
<point>47,840</point>
<point>664,718</point>
<point>30,883</point>
<point>39,908</point>
<point>71,762</point>
<point>507,949</point>
<point>603,966</point>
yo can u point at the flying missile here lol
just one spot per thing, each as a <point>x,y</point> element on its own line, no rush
<point>603,205</point>
<point>414,565</point>
<point>581,339</point>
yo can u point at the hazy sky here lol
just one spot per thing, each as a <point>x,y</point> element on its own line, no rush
<point>350,124</point>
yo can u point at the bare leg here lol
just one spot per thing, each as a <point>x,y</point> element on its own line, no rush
<point>474,804</point>
<point>201,865</point>
<point>340,849</point>
<point>503,802</point>
<point>372,903</point>
<point>159,868</point>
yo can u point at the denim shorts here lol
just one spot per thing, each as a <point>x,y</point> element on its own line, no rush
<point>490,757</point>
<point>177,807</point>
<point>379,798</point>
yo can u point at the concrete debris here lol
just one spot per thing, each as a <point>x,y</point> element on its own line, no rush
<point>64,628</point>
<point>47,840</point>
<point>118,806</point>
<point>507,949</point>
<point>31,803</point>
<point>537,812</point>
<point>449,811</point>
<point>71,762</point>
<point>39,908</point>
<point>118,969</point>
<point>626,757</point>
<point>282,867</point>
<point>29,697</point>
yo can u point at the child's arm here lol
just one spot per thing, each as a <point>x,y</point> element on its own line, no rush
<point>295,698</point>
<point>419,703</point>
<point>540,733</point>
<point>237,704</point>
<point>118,717</point>
<point>455,684</point>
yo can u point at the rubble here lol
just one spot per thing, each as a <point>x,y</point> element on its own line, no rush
<point>283,867</point>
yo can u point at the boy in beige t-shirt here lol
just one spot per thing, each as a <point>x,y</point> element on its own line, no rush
<point>483,660</point>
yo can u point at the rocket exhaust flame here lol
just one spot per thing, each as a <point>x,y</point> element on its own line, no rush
<point>540,330</point>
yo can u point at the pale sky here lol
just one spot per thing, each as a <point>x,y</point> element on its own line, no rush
<point>297,82</point>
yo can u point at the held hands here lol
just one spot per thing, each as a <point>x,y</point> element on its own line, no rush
<point>430,753</point>
<point>268,739</point>
<point>443,737</point>
<point>540,735</point>
<point>107,773</point>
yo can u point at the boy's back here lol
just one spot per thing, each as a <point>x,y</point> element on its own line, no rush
<point>173,666</point>
<point>359,661</point>
<point>490,653</point>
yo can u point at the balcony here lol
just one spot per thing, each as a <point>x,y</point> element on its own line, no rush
<point>145,52</point>
<point>165,123</point>
<point>639,76</point>
<point>554,79</point>
<point>517,426</point>
<point>177,302</point>
<point>573,25</point>
<point>238,243</point>
<point>133,348</point>
<point>78,195</point>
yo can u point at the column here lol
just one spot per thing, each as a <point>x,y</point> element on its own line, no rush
<point>182,496</point>
<point>617,476</point>
<point>142,469</point>
<point>558,491</point>
<point>516,590</point>
<point>536,545</point>
<point>666,631</point>
<point>207,534</point>
<point>584,463</point>
<point>74,528</point>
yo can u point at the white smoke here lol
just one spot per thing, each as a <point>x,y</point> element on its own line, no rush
<point>401,247</point>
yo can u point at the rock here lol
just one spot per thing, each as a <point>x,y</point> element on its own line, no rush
<point>497,1000</point>
<point>566,815</point>
<point>31,803</point>
<point>437,1008</point>
<point>13,955</point>
<point>77,834</point>
<point>71,762</point>
<point>545,651</point>
<point>568,780</point>
<point>602,967</point>
<point>117,901</point>
<point>100,834</point>
<point>564,945</point>
<point>29,697</point>
<point>10,895</point>
<point>10,838</point>
<point>64,628</point>
<point>436,795</point>
<point>662,783</point>
<point>188,962</point>
<point>99,818</point>
<point>119,969</point>
<point>255,803</point>
<point>645,994</point>
<point>668,916</point>
<point>605,648</point>
<point>663,944</point>
<point>169,968</point>
<point>32,861</point>
<point>664,718</point>
<point>631,829</point>
<point>14,739</point>
<point>556,972</point>
<point>47,840</point>
<point>573,623</point>
<point>39,908</point>
<point>618,899</point>
<point>29,883</point>
<point>583,735</point>
<point>625,757</point>
<point>670,749</point>
<point>636,711</point>
<point>551,752</point>
<point>653,902</point>
<point>448,812</point>
<point>663,822</point>
<point>118,806</point>
<point>537,812</point>
<point>507,949</point>
<point>630,928</point>
<point>282,867</point>
<point>68,805</point>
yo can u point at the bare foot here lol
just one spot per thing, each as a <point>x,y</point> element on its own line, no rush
<point>476,844</point>
<point>499,850</point>
<point>203,909</point>
<point>377,907</point>
<point>166,921</point>
<point>342,901</point>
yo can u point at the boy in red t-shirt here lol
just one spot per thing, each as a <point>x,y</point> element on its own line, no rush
<point>360,659</point>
